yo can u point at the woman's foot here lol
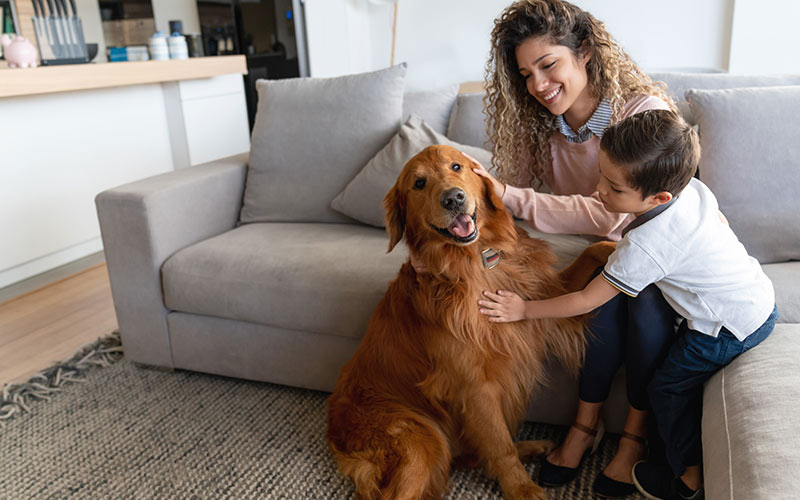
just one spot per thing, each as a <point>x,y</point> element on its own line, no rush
<point>572,449</point>
<point>631,449</point>
<point>561,466</point>
<point>616,481</point>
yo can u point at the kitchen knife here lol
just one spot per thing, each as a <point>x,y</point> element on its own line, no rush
<point>76,21</point>
<point>43,36</point>
<point>61,9</point>
<point>58,47</point>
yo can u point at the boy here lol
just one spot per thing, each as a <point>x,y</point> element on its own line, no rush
<point>680,242</point>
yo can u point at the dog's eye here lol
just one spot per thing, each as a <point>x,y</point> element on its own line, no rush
<point>456,167</point>
<point>420,184</point>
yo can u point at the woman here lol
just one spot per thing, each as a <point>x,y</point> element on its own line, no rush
<point>555,80</point>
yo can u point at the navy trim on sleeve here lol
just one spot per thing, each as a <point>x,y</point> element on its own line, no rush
<point>619,285</point>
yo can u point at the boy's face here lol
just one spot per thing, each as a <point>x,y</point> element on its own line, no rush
<point>617,195</point>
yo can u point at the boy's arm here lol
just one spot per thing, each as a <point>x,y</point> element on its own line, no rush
<point>505,306</point>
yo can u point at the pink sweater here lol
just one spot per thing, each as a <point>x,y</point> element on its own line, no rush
<point>574,207</point>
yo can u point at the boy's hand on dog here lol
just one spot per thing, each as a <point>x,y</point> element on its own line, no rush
<point>499,187</point>
<point>503,306</point>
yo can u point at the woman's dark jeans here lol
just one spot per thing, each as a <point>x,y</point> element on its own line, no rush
<point>637,331</point>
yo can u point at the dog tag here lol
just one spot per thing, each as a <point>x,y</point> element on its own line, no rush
<point>490,257</point>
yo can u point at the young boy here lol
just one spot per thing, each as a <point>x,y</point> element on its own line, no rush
<point>681,242</point>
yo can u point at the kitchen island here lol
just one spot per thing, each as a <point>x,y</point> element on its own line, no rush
<point>69,132</point>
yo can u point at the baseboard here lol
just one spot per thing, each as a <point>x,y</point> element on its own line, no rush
<point>45,263</point>
<point>51,276</point>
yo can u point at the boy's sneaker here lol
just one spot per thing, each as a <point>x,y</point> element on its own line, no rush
<point>656,482</point>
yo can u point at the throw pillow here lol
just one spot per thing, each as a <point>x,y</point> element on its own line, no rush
<point>433,106</point>
<point>362,199</point>
<point>468,122</point>
<point>311,136</point>
<point>750,160</point>
<point>678,83</point>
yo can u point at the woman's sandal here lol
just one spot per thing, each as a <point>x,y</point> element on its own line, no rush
<point>551,475</point>
<point>605,487</point>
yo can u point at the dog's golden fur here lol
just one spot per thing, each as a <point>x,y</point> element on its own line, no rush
<point>433,380</point>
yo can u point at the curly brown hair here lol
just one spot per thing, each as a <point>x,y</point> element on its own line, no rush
<point>519,127</point>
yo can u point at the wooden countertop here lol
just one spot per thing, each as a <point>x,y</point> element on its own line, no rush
<point>51,79</point>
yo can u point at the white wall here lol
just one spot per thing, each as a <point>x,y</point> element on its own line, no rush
<point>764,38</point>
<point>339,37</point>
<point>447,41</point>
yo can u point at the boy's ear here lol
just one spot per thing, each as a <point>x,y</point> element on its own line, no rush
<point>395,210</point>
<point>662,197</point>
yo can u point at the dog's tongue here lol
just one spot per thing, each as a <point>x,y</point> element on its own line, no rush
<point>462,226</point>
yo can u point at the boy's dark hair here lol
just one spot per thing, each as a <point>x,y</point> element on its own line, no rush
<point>657,148</point>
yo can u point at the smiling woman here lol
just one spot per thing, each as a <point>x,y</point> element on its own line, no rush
<point>556,79</point>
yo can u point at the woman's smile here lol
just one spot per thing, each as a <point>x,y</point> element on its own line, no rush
<point>552,95</point>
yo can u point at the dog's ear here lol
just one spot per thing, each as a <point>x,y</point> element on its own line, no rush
<point>394,205</point>
<point>492,200</point>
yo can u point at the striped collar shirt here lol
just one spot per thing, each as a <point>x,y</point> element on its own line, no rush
<point>596,124</point>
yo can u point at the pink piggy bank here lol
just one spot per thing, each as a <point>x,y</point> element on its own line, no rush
<point>19,52</point>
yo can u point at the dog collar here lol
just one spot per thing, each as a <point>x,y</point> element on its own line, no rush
<point>490,258</point>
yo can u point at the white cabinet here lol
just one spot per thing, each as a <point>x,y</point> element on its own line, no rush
<point>60,149</point>
<point>207,119</point>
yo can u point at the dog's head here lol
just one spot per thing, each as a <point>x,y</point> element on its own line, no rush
<point>438,197</point>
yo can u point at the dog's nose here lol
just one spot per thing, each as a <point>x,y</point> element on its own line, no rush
<point>453,199</point>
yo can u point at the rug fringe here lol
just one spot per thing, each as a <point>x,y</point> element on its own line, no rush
<point>16,398</point>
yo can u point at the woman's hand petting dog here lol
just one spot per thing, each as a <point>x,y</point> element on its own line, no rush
<point>503,306</point>
<point>498,187</point>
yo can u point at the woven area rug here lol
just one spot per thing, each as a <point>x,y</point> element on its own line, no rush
<point>98,426</point>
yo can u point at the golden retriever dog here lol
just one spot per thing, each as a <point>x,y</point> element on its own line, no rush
<point>433,382</point>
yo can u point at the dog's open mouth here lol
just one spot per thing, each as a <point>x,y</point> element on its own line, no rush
<point>463,229</point>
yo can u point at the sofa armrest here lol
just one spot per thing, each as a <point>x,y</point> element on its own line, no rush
<point>143,223</point>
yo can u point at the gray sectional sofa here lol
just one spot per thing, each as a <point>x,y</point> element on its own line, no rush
<point>281,291</point>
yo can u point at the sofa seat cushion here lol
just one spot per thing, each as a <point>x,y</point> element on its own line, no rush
<point>751,448</point>
<point>315,277</point>
<point>319,278</point>
<point>785,278</point>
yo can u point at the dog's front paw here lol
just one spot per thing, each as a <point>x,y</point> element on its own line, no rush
<point>529,450</point>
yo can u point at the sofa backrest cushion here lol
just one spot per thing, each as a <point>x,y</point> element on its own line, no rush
<point>433,106</point>
<point>750,160</point>
<point>468,122</point>
<point>679,83</point>
<point>312,136</point>
<point>362,199</point>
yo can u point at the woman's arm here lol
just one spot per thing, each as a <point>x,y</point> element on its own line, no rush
<point>505,306</point>
<point>573,214</point>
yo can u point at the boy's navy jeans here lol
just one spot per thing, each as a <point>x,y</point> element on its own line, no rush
<point>676,390</point>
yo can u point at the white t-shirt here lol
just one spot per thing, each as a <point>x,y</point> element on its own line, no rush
<point>699,265</point>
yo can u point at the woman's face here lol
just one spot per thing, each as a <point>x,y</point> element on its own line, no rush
<point>553,74</point>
